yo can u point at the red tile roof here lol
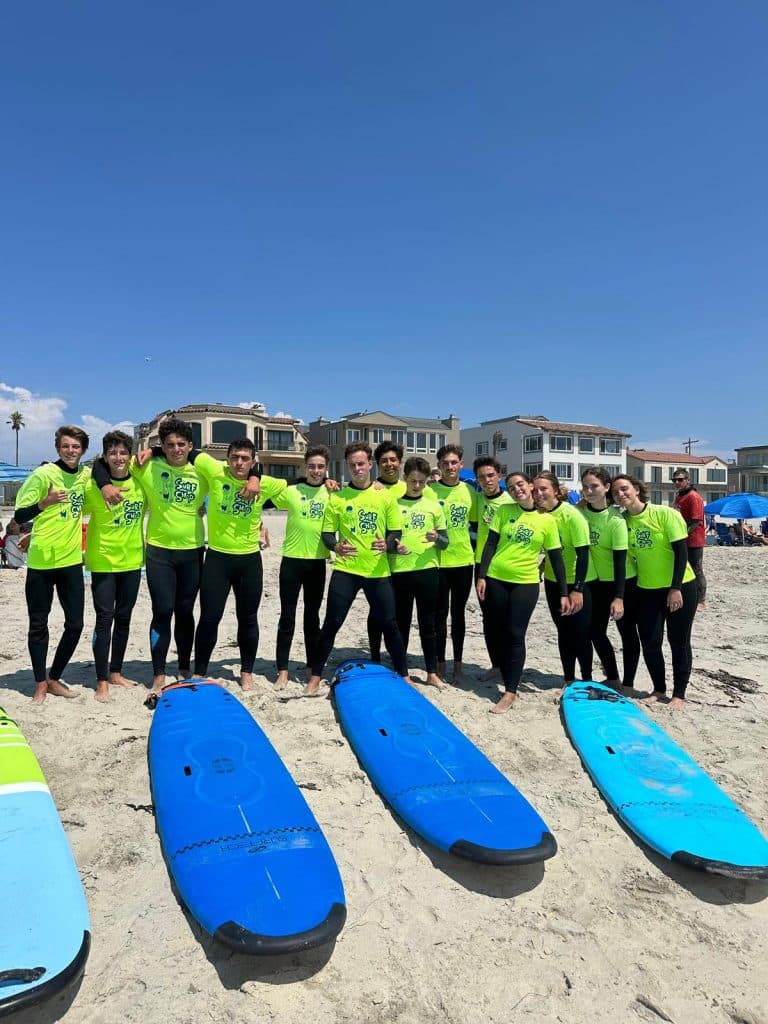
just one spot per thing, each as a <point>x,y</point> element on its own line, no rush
<point>677,458</point>
<point>573,428</point>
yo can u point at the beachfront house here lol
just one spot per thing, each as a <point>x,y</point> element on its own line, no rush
<point>708,473</point>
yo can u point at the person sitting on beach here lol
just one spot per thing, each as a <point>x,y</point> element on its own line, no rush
<point>751,536</point>
<point>54,495</point>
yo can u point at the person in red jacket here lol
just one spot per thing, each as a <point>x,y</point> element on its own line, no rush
<point>690,505</point>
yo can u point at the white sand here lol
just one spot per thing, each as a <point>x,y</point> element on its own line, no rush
<point>604,932</point>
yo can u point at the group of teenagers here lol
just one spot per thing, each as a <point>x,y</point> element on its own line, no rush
<point>397,534</point>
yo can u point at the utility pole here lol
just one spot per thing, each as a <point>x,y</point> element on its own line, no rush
<point>689,444</point>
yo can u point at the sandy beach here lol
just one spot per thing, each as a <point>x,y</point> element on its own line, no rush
<point>605,931</point>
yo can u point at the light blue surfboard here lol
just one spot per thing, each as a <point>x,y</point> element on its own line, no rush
<point>433,776</point>
<point>44,927</point>
<point>656,789</point>
<point>245,851</point>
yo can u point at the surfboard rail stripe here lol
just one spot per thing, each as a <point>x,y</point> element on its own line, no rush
<point>11,788</point>
<point>51,986</point>
<point>243,941</point>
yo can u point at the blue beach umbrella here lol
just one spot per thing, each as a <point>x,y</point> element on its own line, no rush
<point>13,474</point>
<point>739,506</point>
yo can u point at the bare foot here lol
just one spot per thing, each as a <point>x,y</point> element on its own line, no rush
<point>652,698</point>
<point>702,606</point>
<point>41,692</point>
<point>441,669</point>
<point>247,681</point>
<point>102,691</point>
<point>677,704</point>
<point>506,700</point>
<point>158,682</point>
<point>282,679</point>
<point>433,679</point>
<point>492,673</point>
<point>58,689</point>
<point>312,689</point>
<point>117,679</point>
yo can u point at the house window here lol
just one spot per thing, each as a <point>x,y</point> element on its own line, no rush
<point>656,497</point>
<point>655,474</point>
<point>280,440</point>
<point>410,440</point>
<point>481,448</point>
<point>396,436</point>
<point>694,474</point>
<point>586,445</point>
<point>197,435</point>
<point>433,442</point>
<point>226,431</point>
<point>531,469</point>
<point>532,443</point>
<point>421,441</point>
<point>377,435</point>
<point>440,440</point>
<point>562,470</point>
<point>715,476</point>
<point>560,443</point>
<point>332,435</point>
<point>353,435</point>
<point>282,472</point>
<point>503,471</point>
<point>610,446</point>
<point>500,444</point>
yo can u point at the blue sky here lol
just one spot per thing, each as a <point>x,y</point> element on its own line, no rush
<point>478,209</point>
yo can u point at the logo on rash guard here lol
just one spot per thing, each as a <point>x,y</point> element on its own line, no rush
<point>594,537</point>
<point>643,538</point>
<point>241,507</point>
<point>418,521</point>
<point>367,521</point>
<point>132,511</point>
<point>76,502</point>
<point>488,513</point>
<point>184,491</point>
<point>459,515</point>
<point>316,509</point>
<point>522,535</point>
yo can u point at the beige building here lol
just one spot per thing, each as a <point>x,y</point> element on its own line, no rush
<point>749,473</point>
<point>418,436</point>
<point>708,473</point>
<point>280,442</point>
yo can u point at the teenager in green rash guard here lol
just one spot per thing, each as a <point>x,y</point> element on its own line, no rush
<point>459,503</point>
<point>114,555</point>
<point>233,560</point>
<point>666,585</point>
<point>54,495</point>
<point>388,457</point>
<point>508,577</point>
<point>174,493</point>
<point>304,556</point>
<point>367,523</point>
<point>414,562</point>
<point>487,472</point>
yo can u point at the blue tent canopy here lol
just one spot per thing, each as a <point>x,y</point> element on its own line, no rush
<point>13,474</point>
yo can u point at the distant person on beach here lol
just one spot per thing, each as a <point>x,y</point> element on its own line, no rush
<point>304,557</point>
<point>459,503</point>
<point>388,457</point>
<point>114,555</point>
<point>414,562</point>
<point>666,585</point>
<point>54,495</point>
<point>360,525</point>
<point>16,544</point>
<point>690,505</point>
<point>508,577</point>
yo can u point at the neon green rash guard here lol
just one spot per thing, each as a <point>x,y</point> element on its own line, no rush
<point>418,516</point>
<point>651,535</point>
<point>486,510</point>
<point>607,533</point>
<point>57,535</point>
<point>306,507</point>
<point>115,540</point>
<point>574,533</point>
<point>360,516</point>
<point>233,522</point>
<point>523,536</point>
<point>397,489</point>
<point>174,498</point>
<point>459,503</point>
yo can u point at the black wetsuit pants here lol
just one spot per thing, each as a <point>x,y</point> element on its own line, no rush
<point>114,596</point>
<point>420,586</point>
<point>70,590</point>
<point>297,574</point>
<point>508,610</point>
<point>342,590</point>
<point>173,578</point>
<point>602,592</point>
<point>573,632</point>
<point>652,616</point>
<point>243,575</point>
<point>455,584</point>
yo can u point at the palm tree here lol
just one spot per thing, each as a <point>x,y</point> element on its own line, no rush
<point>16,422</point>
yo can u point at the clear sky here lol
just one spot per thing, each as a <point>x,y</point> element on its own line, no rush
<point>472,208</point>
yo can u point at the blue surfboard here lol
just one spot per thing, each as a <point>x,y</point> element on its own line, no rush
<point>44,928</point>
<point>243,848</point>
<point>656,789</point>
<point>431,774</point>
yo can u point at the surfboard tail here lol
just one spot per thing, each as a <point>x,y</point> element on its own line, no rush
<point>243,941</point>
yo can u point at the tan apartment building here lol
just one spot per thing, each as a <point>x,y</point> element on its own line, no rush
<point>280,441</point>
<point>708,473</point>
<point>749,473</point>
<point>417,435</point>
